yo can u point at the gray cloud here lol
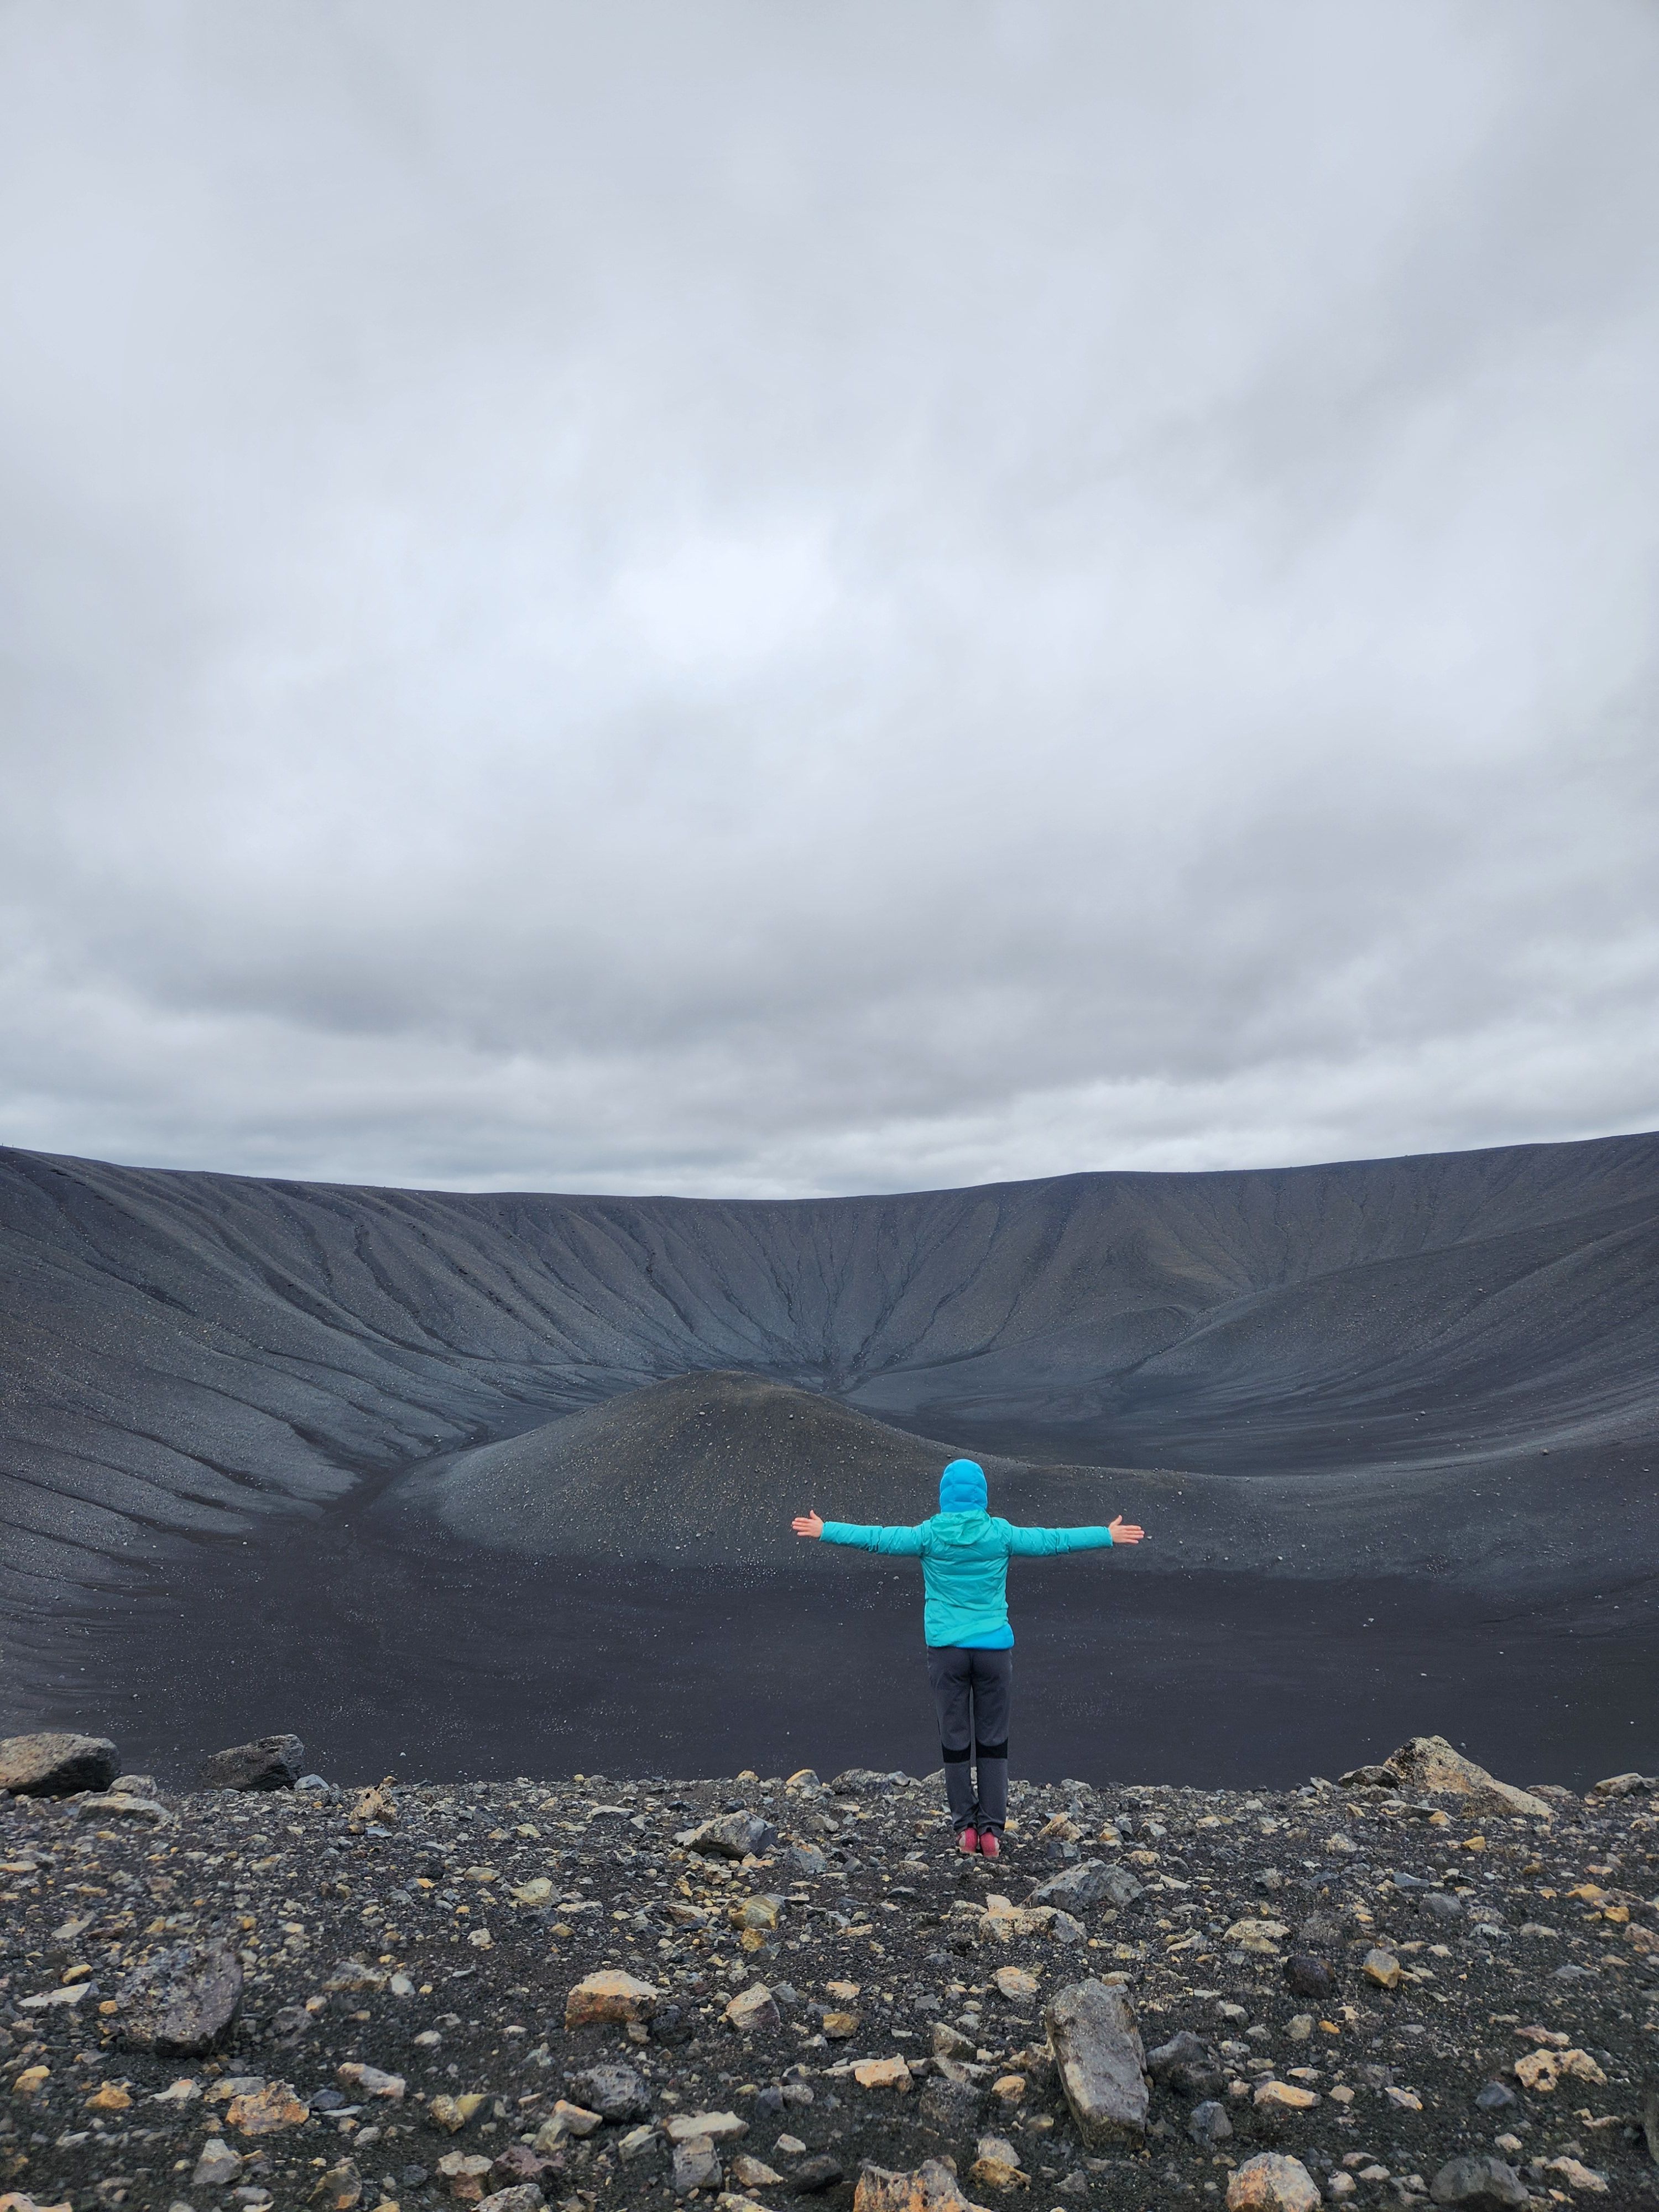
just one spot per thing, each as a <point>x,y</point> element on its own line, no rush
<point>754,600</point>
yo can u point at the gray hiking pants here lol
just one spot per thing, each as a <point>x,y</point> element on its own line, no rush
<point>970,1692</point>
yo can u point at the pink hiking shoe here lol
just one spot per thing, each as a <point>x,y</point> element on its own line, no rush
<point>988,1846</point>
<point>968,1842</point>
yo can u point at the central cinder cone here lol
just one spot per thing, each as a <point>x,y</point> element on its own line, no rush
<point>705,1467</point>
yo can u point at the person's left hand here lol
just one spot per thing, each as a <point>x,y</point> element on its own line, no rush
<point>1123,1532</point>
<point>807,1524</point>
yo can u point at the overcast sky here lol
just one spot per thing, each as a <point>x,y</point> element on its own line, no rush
<point>768,599</point>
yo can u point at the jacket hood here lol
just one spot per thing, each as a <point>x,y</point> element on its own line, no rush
<point>962,1487</point>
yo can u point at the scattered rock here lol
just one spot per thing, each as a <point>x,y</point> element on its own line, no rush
<point>522,2196</point>
<point>56,1765</point>
<point>182,2003</point>
<point>1308,1977</point>
<point>217,2167</point>
<point>882,2073</point>
<point>1541,2070</point>
<point>1576,2175</point>
<point>1187,2065</point>
<point>270,1762</point>
<point>932,2187</point>
<point>951,2109</point>
<point>997,2165</point>
<point>1383,1968</point>
<point>753,2173</point>
<point>1209,2124</point>
<point>120,1805</point>
<point>814,2175</point>
<point>370,2081</point>
<point>1098,2052</point>
<point>1091,1882</point>
<point>1429,1764</point>
<point>1016,1984</point>
<point>608,1997</point>
<point>452,2113</point>
<point>268,2111</point>
<point>339,2189</point>
<point>1261,1936</point>
<point>753,2009</point>
<point>463,2174</point>
<point>697,2165</point>
<point>732,1836</point>
<point>1272,2096</point>
<point>1478,2184</point>
<point>1626,1786</point>
<point>611,2092</point>
<point>356,1977</point>
<point>715,2127</point>
<point>1272,2183</point>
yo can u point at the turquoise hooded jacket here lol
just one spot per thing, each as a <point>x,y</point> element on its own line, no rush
<point>964,1556</point>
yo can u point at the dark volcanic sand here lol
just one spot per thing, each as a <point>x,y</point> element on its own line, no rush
<point>452,1661</point>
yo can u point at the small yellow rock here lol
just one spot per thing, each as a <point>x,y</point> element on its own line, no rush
<point>267,2111</point>
<point>838,2026</point>
<point>1015,1984</point>
<point>1010,2087</point>
<point>1577,2175</point>
<point>452,2113</point>
<point>1283,2097</point>
<point>882,2073</point>
<point>113,2097</point>
<point>1539,2071</point>
<point>1260,1935</point>
<point>1582,2067</point>
<point>611,1996</point>
<point>843,1992</point>
<point>30,2081</point>
<point>1383,1968</point>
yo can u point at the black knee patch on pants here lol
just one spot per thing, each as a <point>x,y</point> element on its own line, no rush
<point>992,1750</point>
<point>956,1758</point>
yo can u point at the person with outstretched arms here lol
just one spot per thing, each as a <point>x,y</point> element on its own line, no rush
<point>965,1555</point>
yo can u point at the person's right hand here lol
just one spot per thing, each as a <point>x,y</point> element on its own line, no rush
<point>807,1524</point>
<point>1123,1532</point>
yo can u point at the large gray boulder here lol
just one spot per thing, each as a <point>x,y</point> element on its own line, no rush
<point>732,1836</point>
<point>613,2090</point>
<point>183,2001</point>
<point>1478,2184</point>
<point>56,1765</point>
<point>1187,2065</point>
<point>1429,1765</point>
<point>1101,2060</point>
<point>270,1762</point>
<point>1091,1882</point>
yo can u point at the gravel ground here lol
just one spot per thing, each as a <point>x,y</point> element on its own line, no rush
<point>436,1933</point>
